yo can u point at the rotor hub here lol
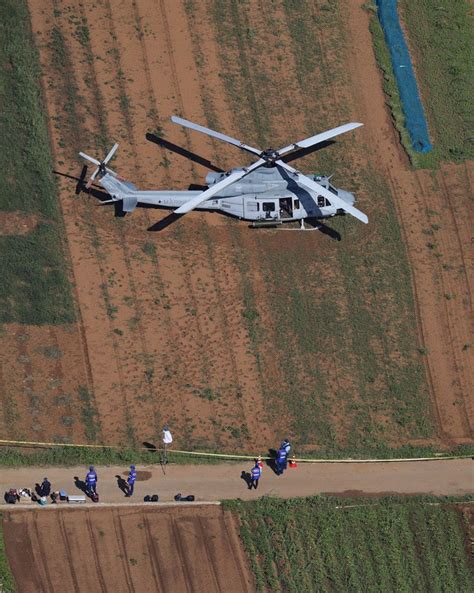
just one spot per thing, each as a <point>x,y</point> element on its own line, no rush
<point>270,156</point>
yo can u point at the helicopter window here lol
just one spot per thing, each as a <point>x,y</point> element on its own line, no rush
<point>268,206</point>
<point>297,205</point>
<point>333,190</point>
<point>321,201</point>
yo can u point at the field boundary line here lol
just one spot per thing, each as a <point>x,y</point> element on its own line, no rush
<point>436,456</point>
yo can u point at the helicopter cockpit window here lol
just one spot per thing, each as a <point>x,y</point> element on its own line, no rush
<point>269,206</point>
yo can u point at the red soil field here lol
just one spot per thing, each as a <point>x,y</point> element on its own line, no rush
<point>134,549</point>
<point>160,335</point>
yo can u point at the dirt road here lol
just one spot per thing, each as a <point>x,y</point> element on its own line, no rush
<point>217,482</point>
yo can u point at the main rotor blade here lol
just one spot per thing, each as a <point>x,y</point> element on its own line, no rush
<point>111,153</point>
<point>91,178</point>
<point>332,198</point>
<point>218,135</point>
<point>89,158</point>
<point>312,140</point>
<point>217,187</point>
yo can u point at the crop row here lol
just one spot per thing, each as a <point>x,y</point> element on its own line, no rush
<point>319,544</point>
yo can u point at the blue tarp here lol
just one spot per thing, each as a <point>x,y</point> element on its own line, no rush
<point>403,70</point>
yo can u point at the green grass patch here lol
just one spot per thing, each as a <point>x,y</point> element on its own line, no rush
<point>441,34</point>
<point>17,457</point>
<point>34,287</point>
<point>64,455</point>
<point>327,544</point>
<point>7,584</point>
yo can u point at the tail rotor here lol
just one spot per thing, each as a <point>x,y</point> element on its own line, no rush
<point>80,181</point>
<point>100,166</point>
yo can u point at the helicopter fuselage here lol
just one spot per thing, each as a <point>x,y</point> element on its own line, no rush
<point>265,195</point>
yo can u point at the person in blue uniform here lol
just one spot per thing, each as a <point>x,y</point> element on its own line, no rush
<point>132,476</point>
<point>91,480</point>
<point>287,446</point>
<point>45,488</point>
<point>281,460</point>
<point>255,474</point>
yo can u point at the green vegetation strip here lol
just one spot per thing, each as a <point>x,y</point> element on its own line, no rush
<point>7,584</point>
<point>34,287</point>
<point>61,454</point>
<point>330,544</point>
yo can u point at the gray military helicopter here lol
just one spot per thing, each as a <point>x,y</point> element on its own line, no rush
<point>267,193</point>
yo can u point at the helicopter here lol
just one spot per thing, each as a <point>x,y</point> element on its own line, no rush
<point>268,192</point>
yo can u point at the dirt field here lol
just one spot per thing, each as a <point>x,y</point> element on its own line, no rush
<point>137,549</point>
<point>163,336</point>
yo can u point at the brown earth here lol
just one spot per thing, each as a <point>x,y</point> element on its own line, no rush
<point>17,223</point>
<point>161,335</point>
<point>134,549</point>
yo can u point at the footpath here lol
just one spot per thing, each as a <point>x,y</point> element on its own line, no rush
<point>224,481</point>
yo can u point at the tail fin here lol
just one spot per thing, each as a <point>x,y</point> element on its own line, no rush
<point>119,189</point>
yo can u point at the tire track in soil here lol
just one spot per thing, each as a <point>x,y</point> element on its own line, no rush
<point>38,543</point>
<point>67,548</point>
<point>154,555</point>
<point>408,193</point>
<point>427,194</point>
<point>174,70</point>
<point>286,85</point>
<point>138,552</point>
<point>420,328</point>
<point>95,552</point>
<point>74,210</point>
<point>17,533</point>
<point>190,581</point>
<point>459,321</point>
<point>87,379</point>
<point>194,305</point>
<point>157,333</point>
<point>133,364</point>
<point>205,538</point>
<point>244,242</point>
<point>233,540</point>
<point>136,355</point>
<point>120,538</point>
<point>170,562</point>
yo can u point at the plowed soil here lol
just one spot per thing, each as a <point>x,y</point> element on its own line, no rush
<point>134,549</point>
<point>166,317</point>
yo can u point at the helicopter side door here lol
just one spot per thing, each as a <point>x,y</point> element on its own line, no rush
<point>269,209</point>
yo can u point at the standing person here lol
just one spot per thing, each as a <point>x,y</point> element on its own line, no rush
<point>255,474</point>
<point>91,480</point>
<point>45,488</point>
<point>132,476</point>
<point>287,446</point>
<point>167,440</point>
<point>281,460</point>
